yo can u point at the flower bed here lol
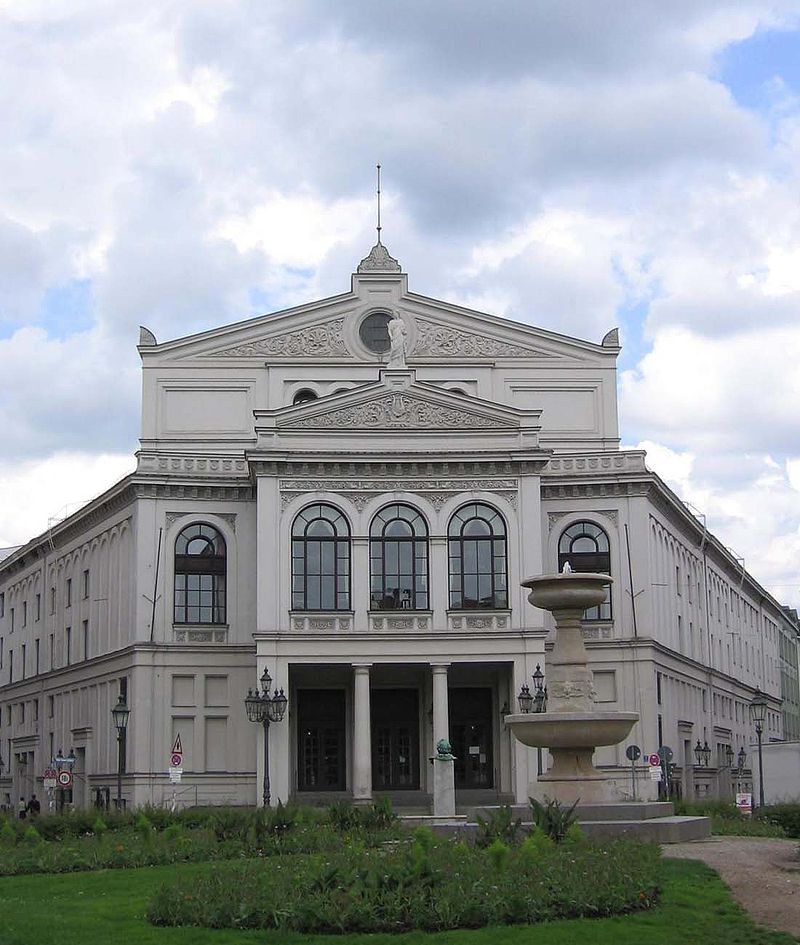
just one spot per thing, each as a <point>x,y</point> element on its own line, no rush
<point>421,884</point>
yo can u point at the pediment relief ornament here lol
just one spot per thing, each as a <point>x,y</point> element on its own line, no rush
<point>379,260</point>
<point>325,341</point>
<point>398,411</point>
<point>444,341</point>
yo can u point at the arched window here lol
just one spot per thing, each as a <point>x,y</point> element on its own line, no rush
<point>304,396</point>
<point>200,566</point>
<point>398,559</point>
<point>476,543</point>
<point>320,559</point>
<point>585,546</point>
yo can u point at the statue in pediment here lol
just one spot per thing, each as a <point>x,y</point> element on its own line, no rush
<point>397,341</point>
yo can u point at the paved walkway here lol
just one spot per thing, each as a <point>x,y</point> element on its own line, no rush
<point>763,875</point>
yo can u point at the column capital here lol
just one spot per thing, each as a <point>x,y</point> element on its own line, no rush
<point>439,667</point>
<point>361,668</point>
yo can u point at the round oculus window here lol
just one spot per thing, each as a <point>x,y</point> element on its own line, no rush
<point>374,332</point>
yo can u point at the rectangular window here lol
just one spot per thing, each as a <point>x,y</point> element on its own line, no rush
<point>68,601</point>
<point>38,607</point>
<point>52,651</point>
<point>678,580</point>
<point>51,708</point>
<point>658,688</point>
<point>22,713</point>
<point>2,641</point>
<point>2,604</point>
<point>86,639</point>
<point>12,619</point>
<point>24,613</point>
<point>35,710</point>
<point>36,649</point>
<point>52,600</point>
<point>85,584</point>
<point>11,666</point>
<point>24,650</point>
<point>68,645</point>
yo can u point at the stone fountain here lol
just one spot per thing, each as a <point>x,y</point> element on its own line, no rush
<point>572,727</point>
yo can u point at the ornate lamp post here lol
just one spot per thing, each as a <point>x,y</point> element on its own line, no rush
<point>120,713</point>
<point>536,702</point>
<point>729,756</point>
<point>265,709</point>
<point>758,714</point>
<point>741,760</point>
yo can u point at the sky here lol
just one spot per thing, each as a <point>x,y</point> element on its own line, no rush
<point>577,166</point>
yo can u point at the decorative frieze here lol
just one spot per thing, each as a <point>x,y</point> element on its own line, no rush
<point>398,411</point>
<point>193,465</point>
<point>179,490</point>
<point>472,621</point>
<point>554,517</point>
<point>436,340</point>
<point>316,341</point>
<point>200,635</point>
<point>592,490</point>
<point>624,461</point>
<point>398,621</point>
<point>320,623</point>
<point>362,491</point>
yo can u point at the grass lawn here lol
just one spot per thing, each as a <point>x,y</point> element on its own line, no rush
<point>108,907</point>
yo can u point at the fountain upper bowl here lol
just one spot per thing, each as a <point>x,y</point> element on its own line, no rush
<point>572,590</point>
<point>571,729</point>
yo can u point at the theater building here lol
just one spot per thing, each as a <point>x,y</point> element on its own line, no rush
<point>348,493</point>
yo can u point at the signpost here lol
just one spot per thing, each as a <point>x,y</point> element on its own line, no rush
<point>744,804</point>
<point>633,753</point>
<point>175,766</point>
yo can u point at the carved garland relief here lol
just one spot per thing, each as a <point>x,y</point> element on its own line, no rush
<point>325,340</point>
<point>444,341</point>
<point>397,411</point>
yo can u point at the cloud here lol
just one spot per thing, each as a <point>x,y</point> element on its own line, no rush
<point>38,492</point>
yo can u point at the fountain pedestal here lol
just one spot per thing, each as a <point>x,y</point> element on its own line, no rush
<point>572,727</point>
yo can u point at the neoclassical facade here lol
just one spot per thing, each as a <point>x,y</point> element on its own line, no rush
<point>348,494</point>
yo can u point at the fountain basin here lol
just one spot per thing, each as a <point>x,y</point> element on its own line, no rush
<point>574,589</point>
<point>579,730</point>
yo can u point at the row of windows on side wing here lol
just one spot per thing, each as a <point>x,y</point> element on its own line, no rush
<point>477,562</point>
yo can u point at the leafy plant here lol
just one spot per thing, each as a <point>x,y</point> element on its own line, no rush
<point>500,825</point>
<point>553,818</point>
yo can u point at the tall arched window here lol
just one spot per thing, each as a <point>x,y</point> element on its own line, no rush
<point>200,566</point>
<point>585,546</point>
<point>476,543</point>
<point>398,559</point>
<point>320,559</point>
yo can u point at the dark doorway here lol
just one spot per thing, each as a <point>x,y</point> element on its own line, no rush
<point>395,739</point>
<point>471,737</point>
<point>321,742</point>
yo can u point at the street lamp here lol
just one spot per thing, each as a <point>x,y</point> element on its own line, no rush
<point>729,756</point>
<point>758,714</point>
<point>534,702</point>
<point>120,714</point>
<point>265,709</point>
<point>741,760</point>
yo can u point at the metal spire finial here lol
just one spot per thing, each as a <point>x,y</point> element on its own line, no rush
<point>379,201</point>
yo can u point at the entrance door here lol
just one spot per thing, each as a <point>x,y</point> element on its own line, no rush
<point>471,737</point>
<point>321,740</point>
<point>395,739</point>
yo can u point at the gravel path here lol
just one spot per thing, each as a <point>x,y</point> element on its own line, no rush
<point>763,875</point>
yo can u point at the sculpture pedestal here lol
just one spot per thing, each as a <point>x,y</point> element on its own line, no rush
<point>444,787</point>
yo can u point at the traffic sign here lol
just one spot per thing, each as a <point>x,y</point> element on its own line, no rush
<point>175,775</point>
<point>633,752</point>
<point>177,747</point>
<point>176,760</point>
<point>655,761</point>
<point>665,753</point>
<point>65,779</point>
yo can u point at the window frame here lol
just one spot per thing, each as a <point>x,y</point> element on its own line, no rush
<point>457,540</point>
<point>184,566</point>
<point>602,612</point>
<point>301,550</point>
<point>379,544</point>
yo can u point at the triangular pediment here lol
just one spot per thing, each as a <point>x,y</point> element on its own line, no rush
<point>398,402</point>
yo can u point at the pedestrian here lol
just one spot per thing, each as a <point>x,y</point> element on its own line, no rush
<point>22,807</point>
<point>34,807</point>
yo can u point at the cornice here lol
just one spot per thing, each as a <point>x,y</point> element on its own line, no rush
<point>361,491</point>
<point>414,468</point>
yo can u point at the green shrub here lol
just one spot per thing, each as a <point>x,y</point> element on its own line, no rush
<point>448,886</point>
<point>786,816</point>
<point>8,835</point>
<point>31,835</point>
<point>99,827</point>
<point>501,825</point>
<point>174,832</point>
<point>343,816</point>
<point>553,818</point>
<point>378,816</point>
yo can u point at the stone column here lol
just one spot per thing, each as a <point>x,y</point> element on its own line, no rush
<point>362,735</point>
<point>441,714</point>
